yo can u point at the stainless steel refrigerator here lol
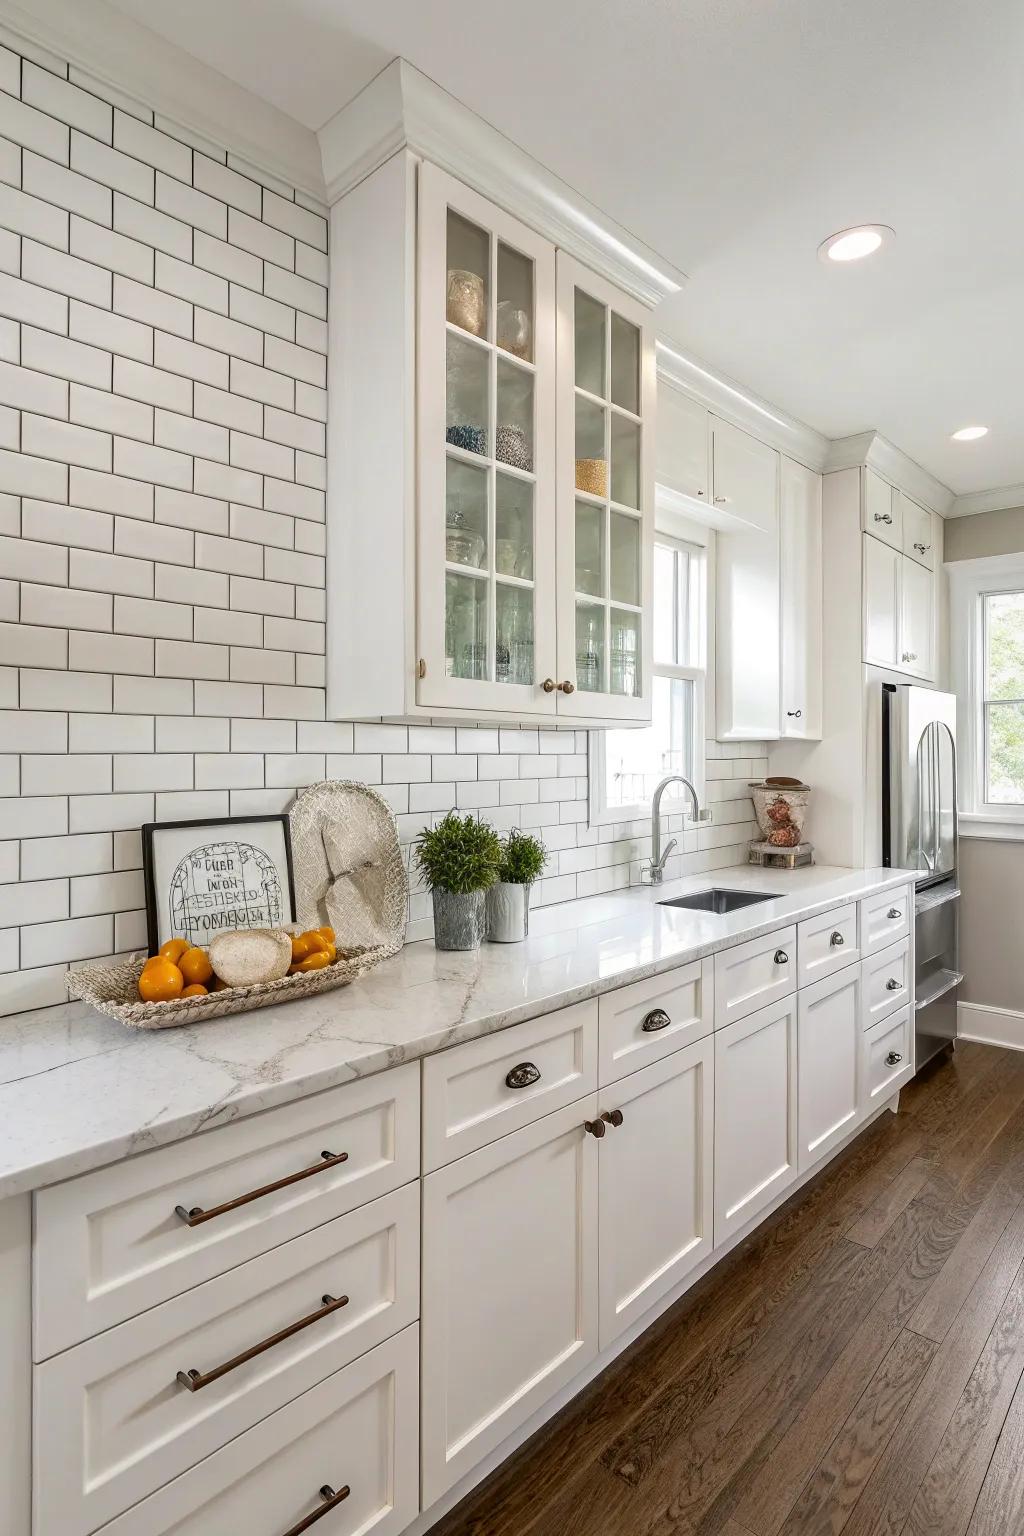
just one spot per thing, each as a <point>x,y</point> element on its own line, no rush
<point>919,832</point>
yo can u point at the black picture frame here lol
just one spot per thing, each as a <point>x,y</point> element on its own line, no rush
<point>151,831</point>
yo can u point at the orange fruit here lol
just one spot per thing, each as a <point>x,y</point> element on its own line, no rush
<point>315,942</point>
<point>195,966</point>
<point>300,946</point>
<point>195,989</point>
<point>327,932</point>
<point>160,983</point>
<point>174,949</point>
<point>314,962</point>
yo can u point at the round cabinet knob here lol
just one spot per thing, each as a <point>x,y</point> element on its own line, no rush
<point>612,1117</point>
<point>836,939</point>
<point>893,1059</point>
<point>921,548</point>
<point>781,958</point>
<point>655,1020</point>
<point>893,913</point>
<point>549,685</point>
<point>594,1128</point>
<point>883,517</point>
<point>567,687</point>
<point>522,1075</point>
<point>892,985</point>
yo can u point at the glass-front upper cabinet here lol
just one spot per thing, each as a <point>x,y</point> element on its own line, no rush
<point>486,455</point>
<point>605,498</point>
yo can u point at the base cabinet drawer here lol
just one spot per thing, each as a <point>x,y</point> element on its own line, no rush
<point>885,919</point>
<point>750,976</point>
<point>649,1019</point>
<point>825,944</point>
<point>125,1238</point>
<point>756,1148</point>
<point>510,1288</point>
<point>356,1431</point>
<point>122,1413</point>
<point>486,1088</point>
<point>887,1058</point>
<point>886,982</point>
<point>829,1057</point>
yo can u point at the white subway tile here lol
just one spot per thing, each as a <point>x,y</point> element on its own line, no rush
<point>159,466</point>
<point>154,541</point>
<point>185,509</point>
<point>311,401</point>
<point>311,604</point>
<point>297,292</point>
<point>307,227</point>
<point>311,469</point>
<point>252,235</point>
<point>191,283</point>
<point>65,189</point>
<point>111,413</point>
<point>310,671</point>
<point>191,805</point>
<point>221,480</point>
<point>59,606</point>
<point>381,738</point>
<point>49,439</point>
<point>29,730</point>
<point>127,850</point>
<point>110,93</point>
<point>178,733</point>
<point>29,989</point>
<point>405,768</point>
<point>10,72</point>
<point>111,493</point>
<point>296,362</point>
<point>291,566</point>
<point>156,149</point>
<point>9,687</point>
<point>191,206</point>
<point>229,699</point>
<point>10,514</point>
<point>229,770</point>
<point>27,645</point>
<point>311,333</point>
<point>43,689</point>
<point>69,275</point>
<point>70,359</point>
<point>256,173</point>
<point>111,733</point>
<point>310,538</point>
<point>51,773</point>
<point>232,556</point>
<point>207,588</point>
<point>296,703</point>
<point>256,310</point>
<point>458,766</point>
<point>112,168</point>
<point>296,635</point>
<point>264,736</point>
<point>185,135</point>
<point>31,305</point>
<point>149,306</point>
<point>108,813</point>
<point>261,384</point>
<point>44,858</point>
<point>439,797</point>
<point>259,666</point>
<point>187,435</point>
<point>295,770</point>
<point>228,261</point>
<point>138,221</point>
<point>295,431</point>
<point>112,333</point>
<point>230,336</point>
<point>134,771</point>
<point>476,739</point>
<point>260,802</point>
<point>176,658</point>
<point>93,894</point>
<point>80,938</point>
<point>227,410</point>
<point>491,767</point>
<point>60,99</point>
<point>29,216</point>
<point>147,695</point>
<point>110,653</point>
<point>33,816</point>
<point>191,360</point>
<point>10,774</point>
<point>33,129</point>
<point>261,457</point>
<point>106,248</point>
<point>331,736</point>
<point>227,185</point>
<point>253,524</point>
<point>143,616</point>
<point>262,596</point>
<point>295,500</point>
<point>311,264</point>
<point>111,573</point>
<point>23,560</point>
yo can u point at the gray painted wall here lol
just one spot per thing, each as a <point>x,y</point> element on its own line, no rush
<point>988,533</point>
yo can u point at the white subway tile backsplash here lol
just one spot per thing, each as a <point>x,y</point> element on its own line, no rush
<point>175,658</point>
<point>22,560</point>
<point>179,733</point>
<point>111,167</point>
<point>29,730</point>
<point>308,227</point>
<point>143,616</point>
<point>81,280</point>
<point>227,185</point>
<point>190,360</point>
<point>191,283</point>
<point>226,335</point>
<point>110,413</point>
<point>108,248</point>
<point>111,573</point>
<point>34,129</point>
<point>111,493</point>
<point>113,333</point>
<point>187,435</point>
<point>44,858</point>
<point>260,666</point>
<point>79,773</point>
<point>107,892</point>
<point>110,653</point>
<point>185,509</point>
<point>149,306</point>
<point>221,480</point>
<point>138,221</point>
<point>294,431</point>
<point>156,149</point>
<point>25,215</point>
<point>191,206</point>
<point>27,645</point>
<point>59,605</point>
<point>50,439</point>
<point>111,733</point>
<point>228,699</point>
<point>42,688</point>
<point>135,771</point>
<point>144,695</point>
<point>229,770</point>
<point>65,188</point>
<point>227,261</point>
<point>80,938</point>
<point>261,384</point>
<point>31,305</point>
<point>66,102</point>
<point>69,359</point>
<point>227,410</point>
<point>250,234</point>
<point>296,362</point>
<point>265,736</point>
<point>187,805</point>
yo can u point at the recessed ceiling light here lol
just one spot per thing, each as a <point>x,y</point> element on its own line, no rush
<point>854,244</point>
<point>969,434</point>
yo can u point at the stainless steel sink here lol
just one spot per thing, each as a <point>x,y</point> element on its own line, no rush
<point>718,901</point>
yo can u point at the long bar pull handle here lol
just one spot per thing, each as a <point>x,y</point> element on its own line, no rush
<point>195,1216</point>
<point>331,1501</point>
<point>195,1381</point>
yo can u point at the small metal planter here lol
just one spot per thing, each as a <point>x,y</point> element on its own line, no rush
<point>508,912</point>
<point>459,920</point>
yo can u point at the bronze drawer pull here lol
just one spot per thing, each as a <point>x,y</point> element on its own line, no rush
<point>195,1381</point>
<point>613,1117</point>
<point>655,1020</point>
<point>522,1076</point>
<point>331,1501</point>
<point>195,1216</point>
<point>594,1128</point>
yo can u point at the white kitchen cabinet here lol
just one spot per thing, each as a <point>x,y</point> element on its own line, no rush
<point>801,612</point>
<point>509,1288</point>
<point>881,602</point>
<point>887,1060</point>
<point>745,476</point>
<point>917,619</point>
<point>656,1183</point>
<point>756,1142</point>
<point>829,1056</point>
<point>881,511</point>
<point>683,443</point>
<point>918,532</point>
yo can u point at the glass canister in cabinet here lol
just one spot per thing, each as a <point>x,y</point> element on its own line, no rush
<point>463,546</point>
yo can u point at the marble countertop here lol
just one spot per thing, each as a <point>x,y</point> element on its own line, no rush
<point>79,1090</point>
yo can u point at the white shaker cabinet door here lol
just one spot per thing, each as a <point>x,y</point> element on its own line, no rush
<point>801,618</point>
<point>509,1290</point>
<point>756,1149</point>
<point>881,603</point>
<point>682,447</point>
<point>656,1182</point>
<point>829,1050</point>
<point>916,619</point>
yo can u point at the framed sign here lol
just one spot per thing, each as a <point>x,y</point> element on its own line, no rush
<point>208,877</point>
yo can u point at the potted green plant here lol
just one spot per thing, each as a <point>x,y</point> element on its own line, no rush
<point>508,899</point>
<point>459,860</point>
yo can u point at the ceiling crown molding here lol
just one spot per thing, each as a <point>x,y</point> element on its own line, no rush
<point>739,406</point>
<point>874,450</point>
<point>402,108</point>
<point>120,53</point>
<point>1005,498</point>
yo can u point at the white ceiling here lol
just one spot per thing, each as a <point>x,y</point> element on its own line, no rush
<point>733,136</point>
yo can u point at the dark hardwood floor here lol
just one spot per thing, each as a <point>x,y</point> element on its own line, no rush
<point>856,1365</point>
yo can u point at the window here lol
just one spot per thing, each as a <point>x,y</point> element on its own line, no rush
<point>988,659</point>
<point>626,765</point>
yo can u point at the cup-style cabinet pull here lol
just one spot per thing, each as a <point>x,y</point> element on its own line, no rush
<point>893,913</point>
<point>613,1117</point>
<point>836,939</point>
<point>892,985</point>
<point>794,714</point>
<point>922,549</point>
<point>195,1381</point>
<point>194,1216</point>
<point>594,1128</point>
<point>883,517</point>
<point>331,1501</point>
<point>522,1076</point>
<point>893,1059</point>
<point>655,1020</point>
<point>781,958</point>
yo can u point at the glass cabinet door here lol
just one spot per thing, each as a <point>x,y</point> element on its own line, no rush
<point>486,453</point>
<point>605,424</point>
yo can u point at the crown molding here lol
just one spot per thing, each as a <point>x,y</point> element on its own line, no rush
<point>874,450</point>
<point>120,53</point>
<point>737,405</point>
<point>403,109</point>
<point>1003,499</point>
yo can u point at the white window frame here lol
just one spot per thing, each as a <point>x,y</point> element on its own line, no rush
<point>971,581</point>
<point>698,609</point>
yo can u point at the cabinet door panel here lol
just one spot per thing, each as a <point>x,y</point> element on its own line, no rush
<point>881,603</point>
<point>800,566</point>
<point>828,1055</point>
<point>916,597</point>
<point>749,976</point>
<point>918,540</point>
<point>888,1059</point>
<point>656,1183</point>
<point>683,440</point>
<point>882,514</point>
<point>509,1296</point>
<point>746,475</point>
<point>756,1146</point>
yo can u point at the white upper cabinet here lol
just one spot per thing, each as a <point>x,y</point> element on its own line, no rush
<point>800,566</point>
<point>881,510</point>
<point>748,608</point>
<point>881,603</point>
<point>918,535</point>
<point>917,619</point>
<point>605,536</point>
<point>683,443</point>
<point>745,477</point>
<point>902,565</point>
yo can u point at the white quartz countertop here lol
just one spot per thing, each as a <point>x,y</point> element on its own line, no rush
<point>78,1090</point>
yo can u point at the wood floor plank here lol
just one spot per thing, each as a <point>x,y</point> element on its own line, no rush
<point>881,1214</point>
<point>1000,1506</point>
